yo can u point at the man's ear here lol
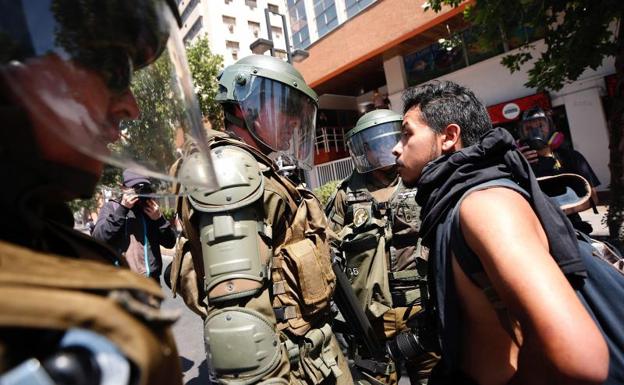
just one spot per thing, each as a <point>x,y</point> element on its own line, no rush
<point>451,140</point>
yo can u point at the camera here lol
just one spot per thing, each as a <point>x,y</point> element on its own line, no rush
<point>534,143</point>
<point>422,338</point>
<point>143,190</point>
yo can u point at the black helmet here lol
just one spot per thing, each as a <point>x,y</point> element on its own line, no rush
<point>535,128</point>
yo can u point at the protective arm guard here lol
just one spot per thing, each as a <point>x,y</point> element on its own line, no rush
<point>230,225</point>
<point>242,343</point>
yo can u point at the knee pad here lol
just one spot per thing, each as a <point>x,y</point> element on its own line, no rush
<point>241,344</point>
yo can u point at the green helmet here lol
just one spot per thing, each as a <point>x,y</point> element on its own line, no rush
<point>371,141</point>
<point>278,107</point>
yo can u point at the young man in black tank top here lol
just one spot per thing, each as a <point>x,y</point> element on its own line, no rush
<point>447,148</point>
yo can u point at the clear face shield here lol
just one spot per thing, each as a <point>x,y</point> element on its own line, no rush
<point>89,76</point>
<point>281,117</point>
<point>371,148</point>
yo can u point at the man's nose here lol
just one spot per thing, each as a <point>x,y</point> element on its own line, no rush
<point>397,149</point>
<point>125,107</point>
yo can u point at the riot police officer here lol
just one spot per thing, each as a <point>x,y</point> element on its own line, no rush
<point>261,275</point>
<point>377,226</point>
<point>68,315</point>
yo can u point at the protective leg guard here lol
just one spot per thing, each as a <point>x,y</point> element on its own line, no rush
<point>241,344</point>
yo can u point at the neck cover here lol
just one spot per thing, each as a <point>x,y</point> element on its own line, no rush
<point>444,181</point>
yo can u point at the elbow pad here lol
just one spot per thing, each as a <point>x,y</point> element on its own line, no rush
<point>231,223</point>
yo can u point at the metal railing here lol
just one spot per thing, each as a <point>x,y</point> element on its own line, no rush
<point>334,170</point>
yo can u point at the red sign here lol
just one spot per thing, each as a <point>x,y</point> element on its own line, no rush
<point>512,110</point>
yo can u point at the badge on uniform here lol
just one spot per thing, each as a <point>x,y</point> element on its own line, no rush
<point>361,216</point>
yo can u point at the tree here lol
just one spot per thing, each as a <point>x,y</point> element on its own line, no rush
<point>205,67</point>
<point>325,192</point>
<point>111,176</point>
<point>579,34</point>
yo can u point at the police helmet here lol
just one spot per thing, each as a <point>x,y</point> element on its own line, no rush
<point>371,141</point>
<point>278,107</point>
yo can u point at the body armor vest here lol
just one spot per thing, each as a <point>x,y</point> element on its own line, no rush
<point>301,278</point>
<point>387,268</point>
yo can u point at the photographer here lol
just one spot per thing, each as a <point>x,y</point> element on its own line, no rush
<point>136,227</point>
<point>543,146</point>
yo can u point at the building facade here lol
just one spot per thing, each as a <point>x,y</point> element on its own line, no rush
<point>363,54</point>
<point>232,25</point>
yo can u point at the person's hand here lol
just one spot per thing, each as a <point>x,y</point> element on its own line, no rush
<point>530,155</point>
<point>152,210</point>
<point>129,198</point>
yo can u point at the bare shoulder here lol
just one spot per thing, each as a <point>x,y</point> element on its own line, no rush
<point>498,214</point>
<point>560,338</point>
<point>507,203</point>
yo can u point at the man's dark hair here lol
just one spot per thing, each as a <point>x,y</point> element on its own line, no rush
<point>443,103</point>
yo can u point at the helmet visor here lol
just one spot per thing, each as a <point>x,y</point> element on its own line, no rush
<point>108,79</point>
<point>281,117</point>
<point>371,148</point>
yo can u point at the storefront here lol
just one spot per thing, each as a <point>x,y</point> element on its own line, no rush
<point>509,114</point>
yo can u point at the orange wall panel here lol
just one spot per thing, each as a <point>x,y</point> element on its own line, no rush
<point>370,33</point>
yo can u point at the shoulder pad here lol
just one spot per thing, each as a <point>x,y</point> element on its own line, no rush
<point>238,173</point>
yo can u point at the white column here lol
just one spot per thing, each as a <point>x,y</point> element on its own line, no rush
<point>588,127</point>
<point>311,19</point>
<point>396,81</point>
<point>341,11</point>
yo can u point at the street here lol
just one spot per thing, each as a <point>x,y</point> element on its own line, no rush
<point>188,333</point>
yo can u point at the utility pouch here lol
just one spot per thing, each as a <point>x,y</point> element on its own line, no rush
<point>319,356</point>
<point>312,275</point>
<point>303,279</point>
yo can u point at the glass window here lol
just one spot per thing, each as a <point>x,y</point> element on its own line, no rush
<point>280,53</point>
<point>298,24</point>
<point>251,3</point>
<point>355,6</point>
<point>326,18</point>
<point>524,35</point>
<point>436,60</point>
<point>477,51</point>
<point>276,32</point>
<point>229,22</point>
<point>273,8</point>
<point>254,28</point>
<point>232,47</point>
